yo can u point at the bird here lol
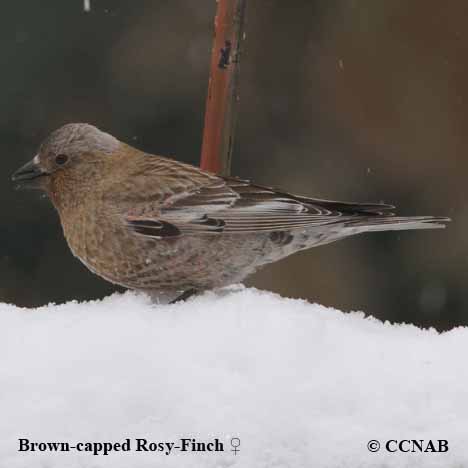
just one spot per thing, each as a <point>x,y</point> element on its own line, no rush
<point>154,224</point>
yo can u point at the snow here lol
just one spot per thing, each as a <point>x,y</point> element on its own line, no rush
<point>299,385</point>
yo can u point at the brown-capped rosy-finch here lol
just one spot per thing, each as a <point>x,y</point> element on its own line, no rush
<point>154,224</point>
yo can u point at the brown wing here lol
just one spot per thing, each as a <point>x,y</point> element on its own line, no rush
<point>233,205</point>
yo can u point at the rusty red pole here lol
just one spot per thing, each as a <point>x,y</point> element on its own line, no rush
<point>223,87</point>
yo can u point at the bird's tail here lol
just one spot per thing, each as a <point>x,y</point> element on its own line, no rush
<point>396,223</point>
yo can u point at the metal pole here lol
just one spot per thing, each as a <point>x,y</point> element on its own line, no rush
<point>223,87</point>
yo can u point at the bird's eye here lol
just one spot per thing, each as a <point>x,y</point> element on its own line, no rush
<point>61,159</point>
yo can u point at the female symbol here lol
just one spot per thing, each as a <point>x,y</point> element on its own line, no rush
<point>235,442</point>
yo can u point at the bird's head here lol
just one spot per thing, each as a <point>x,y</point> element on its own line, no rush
<point>72,153</point>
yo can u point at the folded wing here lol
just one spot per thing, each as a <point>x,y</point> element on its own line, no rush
<point>230,205</point>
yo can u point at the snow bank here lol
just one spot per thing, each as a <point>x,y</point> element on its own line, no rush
<point>300,385</point>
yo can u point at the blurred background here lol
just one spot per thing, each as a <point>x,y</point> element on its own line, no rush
<point>340,99</point>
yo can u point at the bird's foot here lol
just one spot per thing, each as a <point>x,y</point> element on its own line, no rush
<point>184,296</point>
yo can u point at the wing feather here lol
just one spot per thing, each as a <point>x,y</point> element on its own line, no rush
<point>233,205</point>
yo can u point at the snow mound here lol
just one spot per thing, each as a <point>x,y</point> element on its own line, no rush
<point>299,385</point>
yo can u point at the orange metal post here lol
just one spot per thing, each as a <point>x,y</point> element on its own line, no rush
<point>223,87</point>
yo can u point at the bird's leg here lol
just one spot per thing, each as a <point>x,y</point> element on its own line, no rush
<point>184,296</point>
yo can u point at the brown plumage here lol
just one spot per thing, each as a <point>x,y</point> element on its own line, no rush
<point>151,223</point>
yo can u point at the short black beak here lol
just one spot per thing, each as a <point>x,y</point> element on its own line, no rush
<point>28,174</point>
